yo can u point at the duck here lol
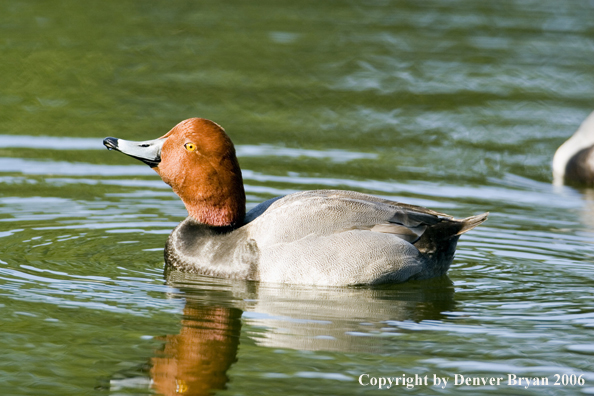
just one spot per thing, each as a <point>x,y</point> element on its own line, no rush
<point>317,237</point>
<point>573,162</point>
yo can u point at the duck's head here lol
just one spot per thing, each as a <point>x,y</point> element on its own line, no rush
<point>197,159</point>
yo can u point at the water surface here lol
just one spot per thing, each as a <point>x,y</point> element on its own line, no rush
<point>457,106</point>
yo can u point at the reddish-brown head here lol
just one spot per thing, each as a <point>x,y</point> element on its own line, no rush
<point>197,159</point>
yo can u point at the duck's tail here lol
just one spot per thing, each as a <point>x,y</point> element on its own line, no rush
<point>447,228</point>
<point>438,242</point>
<point>469,223</point>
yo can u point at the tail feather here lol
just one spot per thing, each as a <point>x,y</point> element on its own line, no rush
<point>470,222</point>
<point>440,240</point>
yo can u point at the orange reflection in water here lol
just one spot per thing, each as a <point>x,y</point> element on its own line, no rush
<point>195,361</point>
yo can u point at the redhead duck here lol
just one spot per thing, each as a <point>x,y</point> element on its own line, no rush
<point>573,162</point>
<point>322,237</point>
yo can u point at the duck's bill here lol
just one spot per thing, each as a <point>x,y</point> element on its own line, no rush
<point>148,151</point>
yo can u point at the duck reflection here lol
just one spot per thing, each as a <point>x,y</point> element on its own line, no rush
<point>316,318</point>
<point>195,361</point>
<point>342,319</point>
<point>587,211</point>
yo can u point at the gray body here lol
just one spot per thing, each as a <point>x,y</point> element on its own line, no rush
<point>323,237</point>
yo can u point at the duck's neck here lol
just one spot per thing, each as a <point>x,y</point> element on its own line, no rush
<point>216,216</point>
<point>217,211</point>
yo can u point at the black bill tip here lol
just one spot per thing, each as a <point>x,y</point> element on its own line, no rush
<point>111,143</point>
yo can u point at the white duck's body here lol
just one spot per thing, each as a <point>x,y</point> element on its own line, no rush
<point>573,162</point>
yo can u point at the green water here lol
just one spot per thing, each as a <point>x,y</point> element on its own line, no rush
<point>457,106</point>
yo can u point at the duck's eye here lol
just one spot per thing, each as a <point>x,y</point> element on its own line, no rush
<point>190,146</point>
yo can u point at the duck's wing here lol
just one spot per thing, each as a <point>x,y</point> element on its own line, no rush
<point>324,212</point>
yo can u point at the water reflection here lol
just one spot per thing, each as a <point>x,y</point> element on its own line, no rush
<point>195,361</point>
<point>587,211</point>
<point>317,318</point>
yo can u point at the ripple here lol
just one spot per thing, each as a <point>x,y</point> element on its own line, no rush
<point>262,150</point>
<point>587,349</point>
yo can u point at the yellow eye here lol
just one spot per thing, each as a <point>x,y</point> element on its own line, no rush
<point>190,146</point>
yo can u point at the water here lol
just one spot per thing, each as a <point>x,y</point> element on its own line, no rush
<point>458,106</point>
